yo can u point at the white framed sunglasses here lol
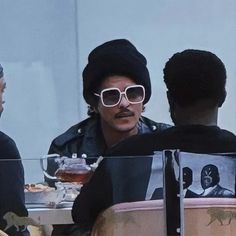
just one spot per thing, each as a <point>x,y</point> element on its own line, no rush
<point>111,97</point>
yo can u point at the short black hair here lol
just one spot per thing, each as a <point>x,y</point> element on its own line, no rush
<point>193,75</point>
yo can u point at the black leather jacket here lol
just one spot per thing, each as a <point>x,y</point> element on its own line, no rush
<point>86,140</point>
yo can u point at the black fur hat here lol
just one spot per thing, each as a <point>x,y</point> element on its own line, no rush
<point>116,57</point>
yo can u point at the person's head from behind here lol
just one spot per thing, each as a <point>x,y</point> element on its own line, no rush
<point>116,84</point>
<point>195,81</point>
<point>2,89</point>
<point>209,176</point>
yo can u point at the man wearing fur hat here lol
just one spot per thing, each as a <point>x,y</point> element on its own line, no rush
<point>12,197</point>
<point>116,85</point>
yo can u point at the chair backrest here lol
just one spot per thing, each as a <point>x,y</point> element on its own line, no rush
<point>210,216</point>
<point>202,216</point>
<point>134,218</point>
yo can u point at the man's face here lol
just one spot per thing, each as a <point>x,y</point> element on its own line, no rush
<point>2,88</point>
<point>124,116</point>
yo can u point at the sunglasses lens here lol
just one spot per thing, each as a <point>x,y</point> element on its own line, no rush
<point>111,97</point>
<point>135,94</point>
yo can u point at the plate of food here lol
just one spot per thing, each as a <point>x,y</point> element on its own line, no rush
<point>43,194</point>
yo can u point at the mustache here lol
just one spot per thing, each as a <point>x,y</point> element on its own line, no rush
<point>124,112</point>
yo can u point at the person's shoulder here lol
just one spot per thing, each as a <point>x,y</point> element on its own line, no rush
<point>198,138</point>
<point>134,145</point>
<point>74,132</point>
<point>224,136</point>
<point>227,133</point>
<point>5,139</point>
<point>154,125</point>
<point>201,132</point>
<point>228,137</point>
<point>8,147</point>
<point>139,138</point>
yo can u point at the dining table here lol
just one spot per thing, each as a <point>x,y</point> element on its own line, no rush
<point>53,215</point>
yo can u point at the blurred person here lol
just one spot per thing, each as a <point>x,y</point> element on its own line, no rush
<point>12,197</point>
<point>195,81</point>
<point>116,85</point>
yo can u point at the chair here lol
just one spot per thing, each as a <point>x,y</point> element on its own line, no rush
<point>134,218</point>
<point>211,174</point>
<point>2,233</point>
<point>210,216</point>
<point>202,217</point>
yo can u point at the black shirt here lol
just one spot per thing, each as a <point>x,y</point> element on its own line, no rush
<point>116,180</point>
<point>11,184</point>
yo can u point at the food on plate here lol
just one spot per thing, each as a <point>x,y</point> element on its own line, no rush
<point>38,188</point>
<point>43,194</point>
